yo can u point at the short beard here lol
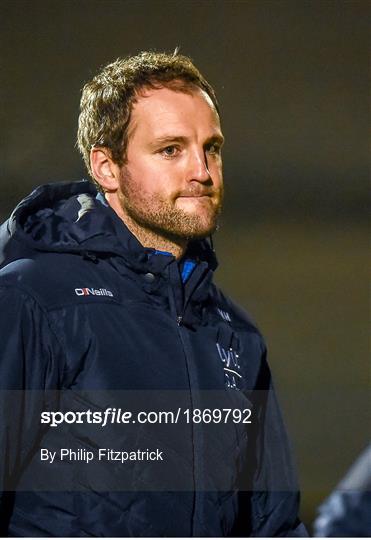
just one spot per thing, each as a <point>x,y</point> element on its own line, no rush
<point>162,217</point>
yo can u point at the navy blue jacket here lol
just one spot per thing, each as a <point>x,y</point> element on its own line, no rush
<point>84,307</point>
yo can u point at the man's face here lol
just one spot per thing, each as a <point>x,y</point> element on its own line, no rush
<point>172,181</point>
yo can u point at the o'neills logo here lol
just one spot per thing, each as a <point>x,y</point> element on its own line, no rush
<point>86,291</point>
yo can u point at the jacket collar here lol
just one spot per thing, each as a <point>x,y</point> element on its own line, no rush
<point>73,218</point>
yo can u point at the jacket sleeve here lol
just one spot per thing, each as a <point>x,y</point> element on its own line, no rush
<point>29,360</point>
<point>270,506</point>
<point>276,493</point>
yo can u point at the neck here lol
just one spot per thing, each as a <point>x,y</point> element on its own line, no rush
<point>147,237</point>
<point>152,239</point>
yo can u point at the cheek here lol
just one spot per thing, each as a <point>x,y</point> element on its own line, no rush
<point>153,186</point>
<point>151,177</point>
<point>140,180</point>
<point>216,170</point>
<point>217,178</point>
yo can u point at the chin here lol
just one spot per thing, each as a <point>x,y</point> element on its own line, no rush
<point>199,230</point>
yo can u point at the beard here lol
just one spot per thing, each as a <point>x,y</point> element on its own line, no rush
<point>161,216</point>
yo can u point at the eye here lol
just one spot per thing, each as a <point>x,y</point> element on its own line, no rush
<point>170,151</point>
<point>213,148</point>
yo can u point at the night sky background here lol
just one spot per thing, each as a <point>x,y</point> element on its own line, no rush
<point>292,80</point>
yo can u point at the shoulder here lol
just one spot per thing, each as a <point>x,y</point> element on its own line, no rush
<point>233,313</point>
<point>32,355</point>
<point>52,279</point>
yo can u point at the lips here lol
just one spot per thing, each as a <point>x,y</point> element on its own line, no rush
<point>196,195</point>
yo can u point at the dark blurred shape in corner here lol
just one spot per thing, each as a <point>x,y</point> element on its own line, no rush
<point>347,512</point>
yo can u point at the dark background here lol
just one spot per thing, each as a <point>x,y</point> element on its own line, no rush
<point>292,81</point>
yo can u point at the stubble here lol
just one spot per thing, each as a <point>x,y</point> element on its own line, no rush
<point>161,217</point>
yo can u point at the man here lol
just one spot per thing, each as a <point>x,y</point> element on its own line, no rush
<point>109,289</point>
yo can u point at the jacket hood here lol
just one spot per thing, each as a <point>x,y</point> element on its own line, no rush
<point>71,217</point>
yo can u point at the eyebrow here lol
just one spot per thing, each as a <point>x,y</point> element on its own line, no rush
<point>217,138</point>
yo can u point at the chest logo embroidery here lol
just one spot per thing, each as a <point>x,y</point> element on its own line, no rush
<point>231,367</point>
<point>224,315</point>
<point>87,291</point>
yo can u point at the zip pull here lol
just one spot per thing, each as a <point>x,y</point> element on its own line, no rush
<point>179,320</point>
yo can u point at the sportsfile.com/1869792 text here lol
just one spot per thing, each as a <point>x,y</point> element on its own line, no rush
<point>114,415</point>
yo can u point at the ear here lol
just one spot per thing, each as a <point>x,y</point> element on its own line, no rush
<point>104,170</point>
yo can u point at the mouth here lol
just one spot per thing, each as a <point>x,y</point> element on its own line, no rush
<point>195,195</point>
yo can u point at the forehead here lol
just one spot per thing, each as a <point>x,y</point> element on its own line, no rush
<point>163,108</point>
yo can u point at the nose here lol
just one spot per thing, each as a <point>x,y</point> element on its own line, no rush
<point>198,167</point>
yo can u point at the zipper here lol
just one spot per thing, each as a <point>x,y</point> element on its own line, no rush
<point>180,329</point>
